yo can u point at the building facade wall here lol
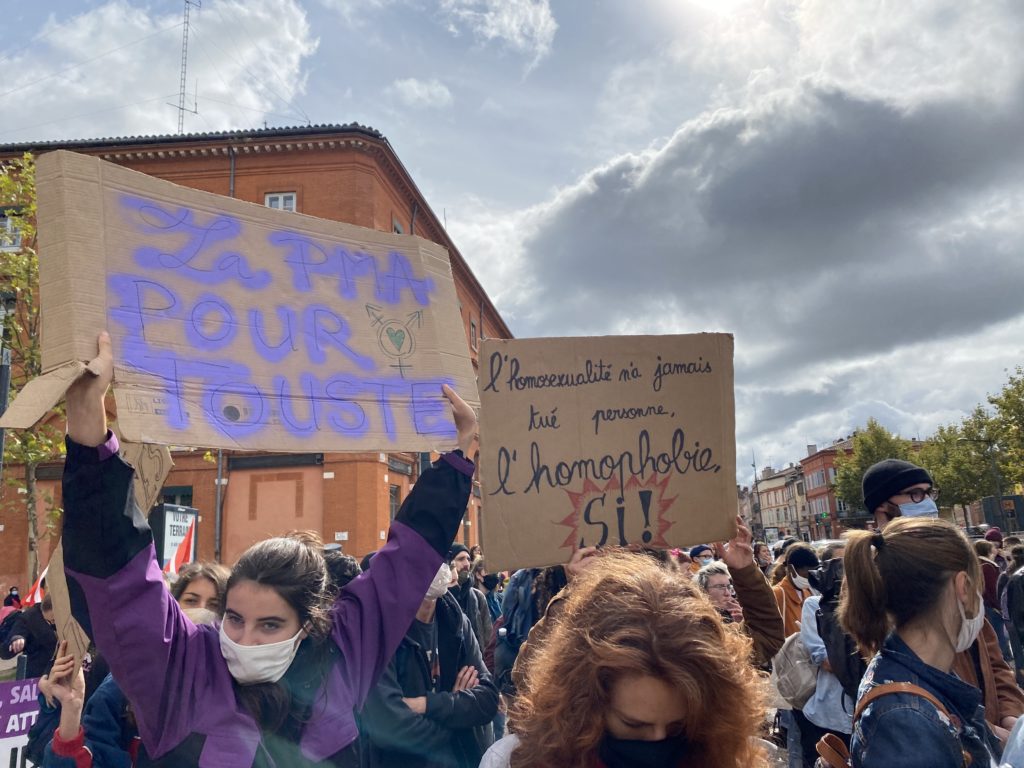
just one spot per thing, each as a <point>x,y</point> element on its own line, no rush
<point>820,473</point>
<point>342,175</point>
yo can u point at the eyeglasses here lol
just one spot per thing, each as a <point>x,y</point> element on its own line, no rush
<point>917,495</point>
<point>728,587</point>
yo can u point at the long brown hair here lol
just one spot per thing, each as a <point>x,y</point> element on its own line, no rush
<point>293,566</point>
<point>899,575</point>
<point>625,616</point>
<point>214,572</point>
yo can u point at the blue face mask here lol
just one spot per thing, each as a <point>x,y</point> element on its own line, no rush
<point>924,508</point>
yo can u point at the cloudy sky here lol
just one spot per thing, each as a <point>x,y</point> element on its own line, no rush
<point>840,185</point>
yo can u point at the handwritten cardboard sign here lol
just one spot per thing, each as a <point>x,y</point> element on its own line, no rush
<point>239,326</point>
<point>605,441</point>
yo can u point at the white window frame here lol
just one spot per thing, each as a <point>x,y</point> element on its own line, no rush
<point>281,201</point>
<point>10,235</point>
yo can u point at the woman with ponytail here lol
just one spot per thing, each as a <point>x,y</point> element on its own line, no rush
<point>913,601</point>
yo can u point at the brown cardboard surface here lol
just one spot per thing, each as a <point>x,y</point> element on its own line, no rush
<point>238,326</point>
<point>605,441</point>
<point>38,396</point>
<point>57,588</point>
<point>152,464</point>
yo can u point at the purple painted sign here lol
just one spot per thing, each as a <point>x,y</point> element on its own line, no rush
<point>19,707</point>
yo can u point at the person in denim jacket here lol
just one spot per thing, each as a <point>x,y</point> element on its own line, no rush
<point>925,578</point>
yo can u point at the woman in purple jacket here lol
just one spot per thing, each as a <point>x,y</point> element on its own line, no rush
<point>277,682</point>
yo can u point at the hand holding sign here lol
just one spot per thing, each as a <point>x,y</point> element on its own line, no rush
<point>67,685</point>
<point>64,684</point>
<point>466,428</point>
<point>87,414</point>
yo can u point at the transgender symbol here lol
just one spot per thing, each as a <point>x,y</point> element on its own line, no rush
<point>395,338</point>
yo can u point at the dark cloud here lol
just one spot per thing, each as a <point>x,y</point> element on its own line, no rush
<point>764,410</point>
<point>822,229</point>
<point>826,208</point>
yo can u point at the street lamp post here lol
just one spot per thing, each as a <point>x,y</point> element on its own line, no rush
<point>757,495</point>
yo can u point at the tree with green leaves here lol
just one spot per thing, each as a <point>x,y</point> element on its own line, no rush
<point>870,445</point>
<point>19,282</point>
<point>957,458</point>
<point>1009,427</point>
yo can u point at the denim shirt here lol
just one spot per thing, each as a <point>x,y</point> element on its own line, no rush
<point>906,730</point>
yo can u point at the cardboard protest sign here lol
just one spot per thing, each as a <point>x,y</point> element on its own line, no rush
<point>67,627</point>
<point>605,441</point>
<point>19,708</point>
<point>239,326</point>
<point>152,464</point>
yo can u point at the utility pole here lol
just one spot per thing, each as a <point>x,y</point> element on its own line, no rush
<point>184,63</point>
<point>757,495</point>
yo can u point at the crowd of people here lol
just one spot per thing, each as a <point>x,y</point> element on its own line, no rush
<point>899,645</point>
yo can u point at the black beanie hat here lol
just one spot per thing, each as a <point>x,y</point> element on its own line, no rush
<point>887,478</point>
<point>456,550</point>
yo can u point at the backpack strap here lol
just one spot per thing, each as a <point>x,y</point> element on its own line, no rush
<point>914,690</point>
<point>832,751</point>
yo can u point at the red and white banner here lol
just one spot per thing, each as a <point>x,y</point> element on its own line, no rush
<point>36,593</point>
<point>183,554</point>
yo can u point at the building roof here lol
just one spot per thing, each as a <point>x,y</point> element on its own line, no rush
<point>256,134</point>
<point>355,132</point>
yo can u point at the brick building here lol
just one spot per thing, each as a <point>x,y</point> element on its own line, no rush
<point>830,515</point>
<point>783,505</point>
<point>345,173</point>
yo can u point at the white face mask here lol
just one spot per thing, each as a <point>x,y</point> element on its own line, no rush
<point>969,628</point>
<point>250,664</point>
<point>440,583</point>
<point>800,582</point>
<point>924,508</point>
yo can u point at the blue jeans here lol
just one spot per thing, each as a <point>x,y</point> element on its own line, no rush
<point>995,618</point>
<point>793,745</point>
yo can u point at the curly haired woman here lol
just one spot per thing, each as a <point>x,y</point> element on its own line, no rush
<point>637,670</point>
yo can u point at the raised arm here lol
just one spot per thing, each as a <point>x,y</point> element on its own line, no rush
<point>761,616</point>
<point>117,592</point>
<point>373,613</point>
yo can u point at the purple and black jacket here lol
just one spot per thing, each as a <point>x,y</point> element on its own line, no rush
<point>172,671</point>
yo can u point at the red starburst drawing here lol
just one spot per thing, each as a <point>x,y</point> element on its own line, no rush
<point>613,515</point>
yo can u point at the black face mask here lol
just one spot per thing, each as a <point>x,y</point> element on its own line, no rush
<point>633,753</point>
